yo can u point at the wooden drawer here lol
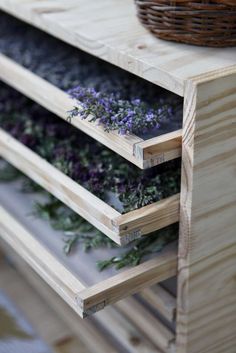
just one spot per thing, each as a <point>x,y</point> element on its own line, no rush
<point>122,228</point>
<point>75,277</point>
<point>129,322</point>
<point>143,153</point>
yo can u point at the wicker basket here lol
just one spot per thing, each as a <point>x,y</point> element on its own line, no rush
<point>201,22</point>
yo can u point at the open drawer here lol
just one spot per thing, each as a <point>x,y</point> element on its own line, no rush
<point>145,151</point>
<point>75,277</point>
<point>122,228</point>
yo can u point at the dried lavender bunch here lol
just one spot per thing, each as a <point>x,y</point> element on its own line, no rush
<point>84,160</point>
<point>116,99</point>
<point>126,116</point>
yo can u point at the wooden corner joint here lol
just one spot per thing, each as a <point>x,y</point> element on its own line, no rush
<point>85,312</point>
<point>127,235</point>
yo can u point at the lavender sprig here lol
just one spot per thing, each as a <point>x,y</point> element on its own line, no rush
<point>113,113</point>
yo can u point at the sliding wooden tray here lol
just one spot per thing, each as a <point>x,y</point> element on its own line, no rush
<point>143,153</point>
<point>121,228</point>
<point>75,278</point>
<point>124,321</point>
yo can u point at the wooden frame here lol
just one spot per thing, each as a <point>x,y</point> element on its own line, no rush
<point>121,228</point>
<point>135,324</point>
<point>35,299</point>
<point>85,300</point>
<point>143,154</point>
<point>206,300</point>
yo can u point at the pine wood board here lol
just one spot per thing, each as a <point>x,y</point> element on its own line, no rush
<point>143,154</point>
<point>110,30</point>
<point>161,300</point>
<point>38,245</point>
<point>206,315</point>
<point>120,228</point>
<point>147,323</point>
<point>43,318</point>
<point>124,332</point>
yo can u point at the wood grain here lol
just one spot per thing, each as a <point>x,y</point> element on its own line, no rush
<point>143,154</point>
<point>56,323</point>
<point>118,37</point>
<point>84,299</point>
<point>131,281</point>
<point>161,300</point>
<point>157,215</point>
<point>206,311</point>
<point>91,331</point>
<point>120,228</point>
<point>154,329</point>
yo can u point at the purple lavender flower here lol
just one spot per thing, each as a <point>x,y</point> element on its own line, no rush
<point>114,113</point>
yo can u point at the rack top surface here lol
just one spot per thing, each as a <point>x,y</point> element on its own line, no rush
<point>109,29</point>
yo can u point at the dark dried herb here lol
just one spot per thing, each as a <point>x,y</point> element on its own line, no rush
<point>86,161</point>
<point>78,232</point>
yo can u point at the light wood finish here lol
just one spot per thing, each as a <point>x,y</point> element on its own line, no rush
<point>144,219</point>
<point>147,323</point>
<point>118,37</point>
<point>84,299</point>
<point>130,282</point>
<point>40,315</point>
<point>53,320</point>
<point>159,149</point>
<point>142,153</point>
<point>206,316</point>
<point>129,336</point>
<point>120,228</point>
<point>161,300</point>
<point>125,332</point>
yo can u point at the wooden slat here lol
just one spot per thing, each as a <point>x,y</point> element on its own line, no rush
<point>131,281</point>
<point>45,320</point>
<point>115,323</point>
<point>161,300</point>
<point>85,300</point>
<point>118,37</point>
<point>56,323</point>
<point>68,191</point>
<point>144,220</point>
<point>39,258</point>
<point>142,153</point>
<point>156,332</point>
<point>95,332</point>
<point>40,315</point>
<point>121,228</point>
<point>159,149</point>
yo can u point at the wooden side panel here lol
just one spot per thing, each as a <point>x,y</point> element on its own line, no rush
<point>206,313</point>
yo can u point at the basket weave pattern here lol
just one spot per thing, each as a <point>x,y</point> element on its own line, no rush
<point>200,22</point>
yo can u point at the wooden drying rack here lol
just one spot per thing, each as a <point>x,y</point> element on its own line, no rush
<point>206,78</point>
